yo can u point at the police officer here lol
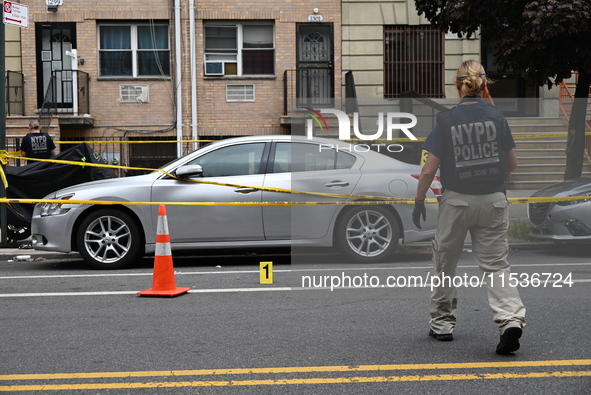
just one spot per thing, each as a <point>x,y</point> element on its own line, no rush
<point>37,144</point>
<point>473,147</point>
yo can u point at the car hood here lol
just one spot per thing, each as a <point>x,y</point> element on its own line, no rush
<point>146,179</point>
<point>566,188</point>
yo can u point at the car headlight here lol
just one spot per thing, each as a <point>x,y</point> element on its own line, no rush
<point>49,209</point>
<point>571,202</point>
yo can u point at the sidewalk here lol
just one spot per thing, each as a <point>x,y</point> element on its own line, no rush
<point>517,213</point>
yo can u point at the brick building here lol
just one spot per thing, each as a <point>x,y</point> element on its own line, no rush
<point>185,70</point>
<point>172,70</point>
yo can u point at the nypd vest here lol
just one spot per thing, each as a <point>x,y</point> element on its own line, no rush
<point>475,162</point>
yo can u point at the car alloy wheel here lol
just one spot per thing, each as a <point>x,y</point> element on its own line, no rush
<point>367,234</point>
<point>109,239</point>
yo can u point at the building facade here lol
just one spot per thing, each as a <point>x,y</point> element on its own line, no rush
<point>174,70</point>
<point>391,51</point>
<point>181,70</point>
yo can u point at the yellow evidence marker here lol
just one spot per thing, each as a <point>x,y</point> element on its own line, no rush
<point>266,275</point>
<point>424,155</point>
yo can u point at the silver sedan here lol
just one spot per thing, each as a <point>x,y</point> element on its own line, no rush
<point>252,170</point>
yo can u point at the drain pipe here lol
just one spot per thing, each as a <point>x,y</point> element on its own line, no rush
<point>178,72</point>
<point>194,120</point>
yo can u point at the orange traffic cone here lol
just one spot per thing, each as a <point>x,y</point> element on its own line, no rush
<point>163,283</point>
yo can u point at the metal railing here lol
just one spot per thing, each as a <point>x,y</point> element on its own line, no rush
<point>15,99</point>
<point>119,151</point>
<point>68,92</point>
<point>307,87</point>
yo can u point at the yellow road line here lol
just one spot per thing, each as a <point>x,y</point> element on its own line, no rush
<point>329,380</point>
<point>299,369</point>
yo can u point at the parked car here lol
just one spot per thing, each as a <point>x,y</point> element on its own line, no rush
<point>113,236</point>
<point>562,221</point>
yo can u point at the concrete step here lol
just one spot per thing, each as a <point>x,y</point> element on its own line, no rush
<point>537,176</point>
<point>528,152</point>
<point>540,145</point>
<point>535,121</point>
<point>540,168</point>
<point>543,176</point>
<point>536,160</point>
<point>538,129</point>
<point>533,185</point>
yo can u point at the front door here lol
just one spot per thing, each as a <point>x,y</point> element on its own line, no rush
<point>55,42</point>
<point>238,164</point>
<point>315,71</point>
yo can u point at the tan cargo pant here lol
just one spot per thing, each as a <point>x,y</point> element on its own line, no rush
<point>486,217</point>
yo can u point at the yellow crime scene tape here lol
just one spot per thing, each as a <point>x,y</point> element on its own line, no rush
<point>359,199</point>
<point>119,202</point>
<point>379,200</point>
<point>6,155</point>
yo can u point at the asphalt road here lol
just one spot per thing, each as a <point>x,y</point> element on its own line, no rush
<point>69,330</point>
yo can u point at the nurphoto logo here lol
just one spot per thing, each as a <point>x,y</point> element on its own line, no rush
<point>345,128</point>
<point>345,124</point>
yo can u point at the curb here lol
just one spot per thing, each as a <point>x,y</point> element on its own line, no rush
<point>8,254</point>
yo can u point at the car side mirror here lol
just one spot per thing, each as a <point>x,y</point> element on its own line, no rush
<point>189,171</point>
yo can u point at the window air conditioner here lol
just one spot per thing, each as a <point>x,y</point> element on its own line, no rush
<point>133,93</point>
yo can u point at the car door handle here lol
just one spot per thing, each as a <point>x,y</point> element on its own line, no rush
<point>336,184</point>
<point>245,190</point>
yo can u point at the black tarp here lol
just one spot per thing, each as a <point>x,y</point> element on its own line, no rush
<point>38,179</point>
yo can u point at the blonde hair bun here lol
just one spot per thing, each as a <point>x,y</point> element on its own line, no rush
<point>471,77</point>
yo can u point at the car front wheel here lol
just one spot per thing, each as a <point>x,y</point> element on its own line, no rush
<point>109,239</point>
<point>367,234</point>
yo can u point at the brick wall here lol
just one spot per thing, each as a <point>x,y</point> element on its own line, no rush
<point>215,115</point>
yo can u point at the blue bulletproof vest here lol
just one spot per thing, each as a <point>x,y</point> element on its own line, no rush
<point>475,162</point>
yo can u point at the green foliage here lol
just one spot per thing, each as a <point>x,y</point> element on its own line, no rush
<point>520,230</point>
<point>546,39</point>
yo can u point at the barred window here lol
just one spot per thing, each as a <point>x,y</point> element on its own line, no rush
<point>413,61</point>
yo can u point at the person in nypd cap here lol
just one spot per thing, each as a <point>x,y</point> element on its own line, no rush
<point>37,144</point>
<point>473,147</point>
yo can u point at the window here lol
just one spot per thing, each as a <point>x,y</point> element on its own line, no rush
<point>413,61</point>
<point>235,160</point>
<point>296,157</point>
<point>239,49</point>
<point>134,50</point>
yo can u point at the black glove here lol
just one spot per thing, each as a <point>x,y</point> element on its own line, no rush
<point>417,212</point>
